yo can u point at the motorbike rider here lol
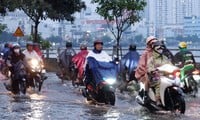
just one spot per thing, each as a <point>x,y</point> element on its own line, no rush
<point>79,60</point>
<point>6,50</point>
<point>30,53</point>
<point>129,61</point>
<point>128,64</point>
<point>167,52</point>
<point>99,55</point>
<point>14,56</point>
<point>151,58</point>
<point>37,49</point>
<point>184,58</point>
<point>65,60</point>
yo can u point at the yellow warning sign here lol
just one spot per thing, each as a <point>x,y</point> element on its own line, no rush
<point>18,32</point>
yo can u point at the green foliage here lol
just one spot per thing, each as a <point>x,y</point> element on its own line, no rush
<point>123,13</point>
<point>42,9</point>
<point>64,9</point>
<point>45,44</point>
<point>120,15</point>
<point>7,5</point>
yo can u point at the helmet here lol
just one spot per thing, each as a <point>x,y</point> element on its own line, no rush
<point>98,42</point>
<point>83,47</point>
<point>29,44</point>
<point>6,45</point>
<point>16,45</point>
<point>68,44</point>
<point>151,39</point>
<point>182,45</point>
<point>132,47</point>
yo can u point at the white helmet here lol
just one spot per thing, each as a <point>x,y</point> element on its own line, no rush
<point>15,45</point>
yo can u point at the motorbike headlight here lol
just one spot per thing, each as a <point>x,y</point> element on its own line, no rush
<point>43,71</point>
<point>196,72</point>
<point>110,81</point>
<point>196,77</point>
<point>34,63</point>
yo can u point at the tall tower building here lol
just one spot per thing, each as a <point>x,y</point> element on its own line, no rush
<point>169,14</point>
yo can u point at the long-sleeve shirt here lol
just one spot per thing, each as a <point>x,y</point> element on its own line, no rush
<point>31,55</point>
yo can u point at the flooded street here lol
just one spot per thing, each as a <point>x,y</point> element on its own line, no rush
<point>63,102</point>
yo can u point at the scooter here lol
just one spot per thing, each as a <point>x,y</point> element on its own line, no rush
<point>189,80</point>
<point>101,90</point>
<point>36,73</point>
<point>171,94</point>
<point>196,76</point>
<point>19,76</point>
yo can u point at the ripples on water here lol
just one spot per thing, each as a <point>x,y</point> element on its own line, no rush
<point>63,102</point>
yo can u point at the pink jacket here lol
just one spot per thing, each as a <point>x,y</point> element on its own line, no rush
<point>141,69</point>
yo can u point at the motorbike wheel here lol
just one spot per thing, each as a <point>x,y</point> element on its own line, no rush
<point>22,86</point>
<point>193,86</point>
<point>38,83</point>
<point>110,98</point>
<point>74,77</point>
<point>179,104</point>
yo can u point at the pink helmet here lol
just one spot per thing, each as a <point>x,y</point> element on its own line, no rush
<point>151,39</point>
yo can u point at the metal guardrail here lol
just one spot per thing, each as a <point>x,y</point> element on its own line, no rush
<point>53,53</point>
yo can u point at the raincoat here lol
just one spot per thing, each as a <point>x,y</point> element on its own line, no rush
<point>148,62</point>
<point>98,67</point>
<point>65,58</point>
<point>141,70</point>
<point>79,60</point>
<point>130,61</point>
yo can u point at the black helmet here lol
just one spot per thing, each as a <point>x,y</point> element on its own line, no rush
<point>68,44</point>
<point>98,42</point>
<point>132,47</point>
<point>6,45</point>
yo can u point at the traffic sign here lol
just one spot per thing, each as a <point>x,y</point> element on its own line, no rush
<point>18,32</point>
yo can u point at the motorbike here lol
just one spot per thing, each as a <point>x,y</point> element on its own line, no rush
<point>127,81</point>
<point>196,76</point>
<point>20,73</point>
<point>36,73</point>
<point>190,80</point>
<point>100,89</point>
<point>170,92</point>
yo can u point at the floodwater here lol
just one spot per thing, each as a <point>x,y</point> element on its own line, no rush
<point>59,101</point>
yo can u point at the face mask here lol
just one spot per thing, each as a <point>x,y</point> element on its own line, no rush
<point>160,51</point>
<point>16,50</point>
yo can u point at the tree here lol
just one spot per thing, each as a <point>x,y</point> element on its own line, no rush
<point>39,10</point>
<point>120,15</point>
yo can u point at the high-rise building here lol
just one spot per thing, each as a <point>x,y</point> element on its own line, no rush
<point>169,14</point>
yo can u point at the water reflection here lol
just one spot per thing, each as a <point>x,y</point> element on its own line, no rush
<point>57,102</point>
